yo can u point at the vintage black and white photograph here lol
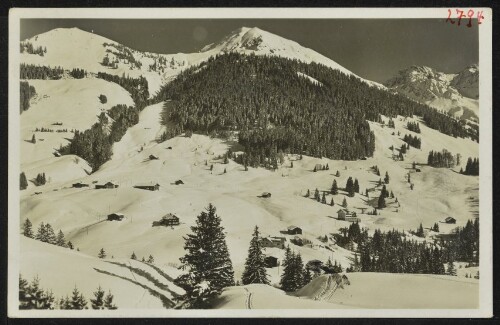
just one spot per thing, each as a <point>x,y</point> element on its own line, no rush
<point>167,163</point>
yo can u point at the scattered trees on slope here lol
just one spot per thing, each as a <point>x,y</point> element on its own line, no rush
<point>255,271</point>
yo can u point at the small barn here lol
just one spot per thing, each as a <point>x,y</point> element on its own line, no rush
<point>153,157</point>
<point>346,215</point>
<point>80,185</point>
<point>265,195</point>
<point>294,230</point>
<point>116,217</point>
<point>270,261</point>
<point>108,185</point>
<point>318,167</point>
<point>271,242</point>
<point>149,187</point>
<point>450,220</point>
<point>178,182</point>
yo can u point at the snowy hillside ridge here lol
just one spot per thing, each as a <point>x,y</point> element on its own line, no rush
<point>259,42</point>
<point>454,93</point>
<point>75,48</point>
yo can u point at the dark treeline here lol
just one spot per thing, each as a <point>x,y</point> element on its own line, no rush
<point>413,141</point>
<point>472,167</point>
<point>392,252</point>
<point>413,126</point>
<point>137,87</point>
<point>27,92</point>
<point>78,73</point>
<point>95,145</point>
<point>442,158</point>
<point>276,109</point>
<point>29,48</point>
<point>31,71</point>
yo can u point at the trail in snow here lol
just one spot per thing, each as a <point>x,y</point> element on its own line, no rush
<point>248,300</point>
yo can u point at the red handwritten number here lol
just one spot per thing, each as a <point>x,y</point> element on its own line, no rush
<point>449,17</point>
<point>470,14</point>
<point>479,17</point>
<point>461,15</point>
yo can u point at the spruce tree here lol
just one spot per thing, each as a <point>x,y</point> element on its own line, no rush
<point>108,302</point>
<point>331,202</point>
<point>316,195</point>
<point>344,203</point>
<point>98,301</point>
<point>307,276</point>
<point>386,178</point>
<point>206,262</point>
<point>27,228</point>
<point>451,270</point>
<point>381,202</point>
<point>335,189</point>
<point>323,198</point>
<point>23,182</point>
<point>287,281</point>
<point>356,186</point>
<point>33,139</point>
<point>349,187</point>
<point>151,259</point>
<point>78,301</point>
<point>70,245</point>
<point>102,253</point>
<point>133,256</point>
<point>255,271</point>
<point>308,194</point>
<point>60,241</point>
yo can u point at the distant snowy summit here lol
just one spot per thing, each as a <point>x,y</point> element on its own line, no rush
<point>75,48</point>
<point>456,94</point>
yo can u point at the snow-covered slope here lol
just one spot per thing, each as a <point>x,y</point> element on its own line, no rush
<point>454,93</point>
<point>134,284</point>
<point>74,48</point>
<point>395,291</point>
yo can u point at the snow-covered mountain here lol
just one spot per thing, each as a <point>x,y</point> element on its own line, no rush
<point>74,48</point>
<point>457,93</point>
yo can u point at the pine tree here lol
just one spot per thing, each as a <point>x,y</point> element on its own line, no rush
<point>337,174</point>
<point>356,186</point>
<point>41,234</point>
<point>151,259</point>
<point>27,228</point>
<point>60,241</point>
<point>78,301</point>
<point>206,262</point>
<point>386,178</point>
<point>287,281</point>
<point>381,201</point>
<point>33,139</point>
<point>70,245</point>
<point>344,203</point>
<point>108,302</point>
<point>255,271</point>
<point>316,195</point>
<point>23,182</point>
<point>335,189</point>
<point>51,236</point>
<point>308,194</point>
<point>349,187</point>
<point>331,202</point>
<point>451,270</point>
<point>98,301</point>
<point>102,253</point>
<point>323,198</point>
<point>133,256</point>
<point>420,231</point>
<point>307,276</point>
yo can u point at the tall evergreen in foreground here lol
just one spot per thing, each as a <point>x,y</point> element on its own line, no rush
<point>255,270</point>
<point>293,274</point>
<point>28,229</point>
<point>208,268</point>
<point>23,184</point>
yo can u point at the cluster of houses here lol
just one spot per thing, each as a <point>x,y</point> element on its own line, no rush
<point>111,185</point>
<point>346,215</point>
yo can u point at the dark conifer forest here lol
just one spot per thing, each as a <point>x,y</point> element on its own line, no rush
<point>27,92</point>
<point>31,71</point>
<point>275,108</point>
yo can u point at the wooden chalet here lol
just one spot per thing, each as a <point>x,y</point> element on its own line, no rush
<point>167,220</point>
<point>80,185</point>
<point>270,261</point>
<point>271,242</point>
<point>346,215</point>
<point>108,185</point>
<point>294,230</point>
<point>149,187</point>
<point>450,220</point>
